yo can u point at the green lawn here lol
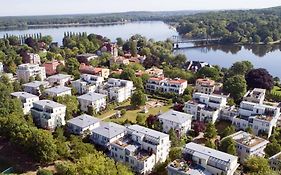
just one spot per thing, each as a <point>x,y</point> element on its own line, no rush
<point>131,114</point>
<point>276,90</point>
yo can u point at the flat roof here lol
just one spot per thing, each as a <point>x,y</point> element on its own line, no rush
<point>23,95</point>
<point>175,116</point>
<point>58,89</point>
<point>49,103</point>
<point>146,131</point>
<point>209,152</point>
<point>109,129</point>
<point>247,139</point>
<point>84,120</point>
<point>59,76</point>
<point>91,96</point>
<point>36,84</point>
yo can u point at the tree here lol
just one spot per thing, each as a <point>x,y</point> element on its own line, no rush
<point>228,145</point>
<point>138,98</point>
<point>236,86</point>
<point>209,72</point>
<point>211,131</point>
<point>138,83</point>
<point>228,131</point>
<point>120,41</point>
<point>255,164</point>
<point>175,141</point>
<point>198,127</point>
<point>175,153</point>
<point>249,130</point>
<point>209,143</point>
<point>268,40</point>
<point>141,119</point>
<point>72,66</point>
<point>72,105</point>
<point>259,78</point>
<point>133,48</point>
<point>272,148</point>
<point>240,68</point>
<point>128,74</point>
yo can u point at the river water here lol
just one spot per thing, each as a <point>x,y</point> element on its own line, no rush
<point>268,57</point>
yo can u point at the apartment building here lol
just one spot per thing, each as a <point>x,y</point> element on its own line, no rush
<point>107,133</point>
<point>83,124</point>
<point>154,72</point>
<point>59,79</point>
<point>141,148</point>
<point>207,86</point>
<point>178,121</point>
<point>48,114</point>
<point>34,87</point>
<point>166,85</point>
<point>256,95</point>
<point>205,107</point>
<point>58,91</point>
<point>26,99</point>
<point>51,66</point>
<point>275,161</point>
<point>248,145</point>
<point>102,72</point>
<point>117,89</point>
<point>86,57</point>
<point>204,160</point>
<point>27,71</point>
<point>31,58</point>
<point>92,101</point>
<point>87,83</point>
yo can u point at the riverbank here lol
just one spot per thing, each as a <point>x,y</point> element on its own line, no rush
<point>26,27</point>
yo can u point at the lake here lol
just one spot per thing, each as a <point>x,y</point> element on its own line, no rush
<point>268,57</point>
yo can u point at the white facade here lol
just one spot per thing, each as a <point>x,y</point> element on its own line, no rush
<point>82,124</point>
<point>207,86</point>
<point>1,67</point>
<point>166,85</point>
<point>205,107</point>
<point>256,95</point>
<point>34,87</point>
<point>107,133</point>
<point>26,100</point>
<point>58,91</point>
<point>48,114</point>
<point>87,83</point>
<point>275,161</point>
<point>119,90</point>
<point>178,121</point>
<point>26,71</point>
<point>141,148</point>
<point>94,100</point>
<point>214,162</point>
<point>59,79</point>
<point>248,145</point>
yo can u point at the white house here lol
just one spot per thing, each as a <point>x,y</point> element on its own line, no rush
<point>82,124</point>
<point>87,83</point>
<point>208,160</point>
<point>205,107</point>
<point>119,90</point>
<point>248,145</point>
<point>207,86</point>
<point>141,148</point>
<point>26,71</point>
<point>58,91</point>
<point>34,87</point>
<point>107,133</point>
<point>165,85</point>
<point>26,99</point>
<point>93,101</point>
<point>256,95</point>
<point>275,161</point>
<point>179,121</point>
<point>59,79</point>
<point>1,68</point>
<point>48,114</point>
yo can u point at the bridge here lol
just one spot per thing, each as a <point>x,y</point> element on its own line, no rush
<point>179,40</point>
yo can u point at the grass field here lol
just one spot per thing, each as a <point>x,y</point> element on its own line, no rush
<point>131,114</point>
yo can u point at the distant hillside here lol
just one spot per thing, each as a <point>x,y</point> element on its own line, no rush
<point>26,21</point>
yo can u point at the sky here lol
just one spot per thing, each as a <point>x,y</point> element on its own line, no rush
<point>53,7</point>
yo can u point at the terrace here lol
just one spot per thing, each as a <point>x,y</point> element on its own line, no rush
<point>187,168</point>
